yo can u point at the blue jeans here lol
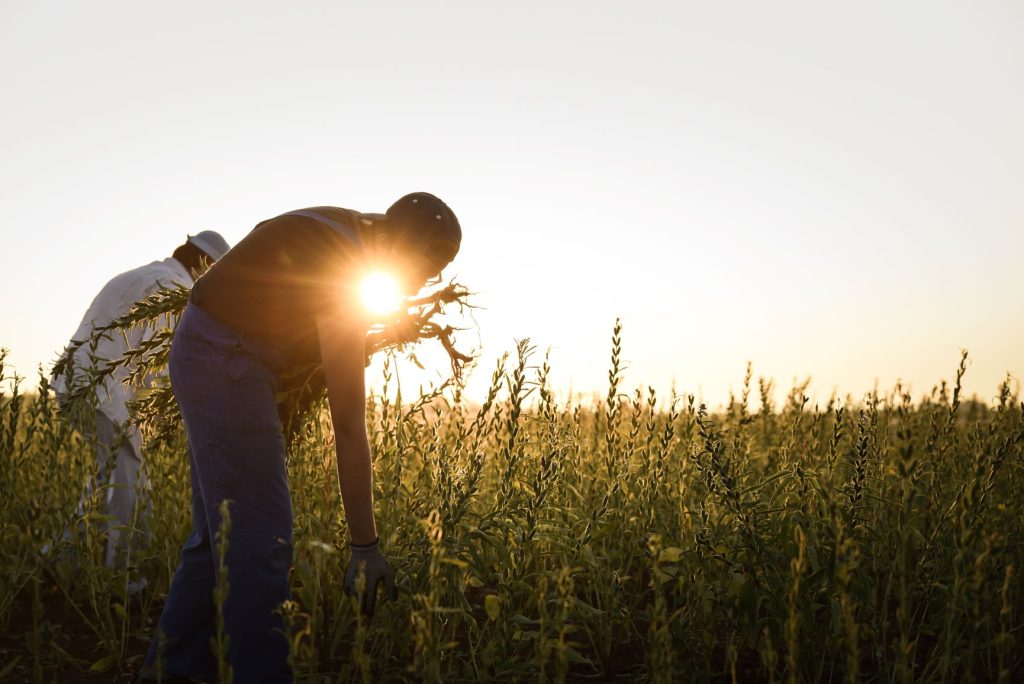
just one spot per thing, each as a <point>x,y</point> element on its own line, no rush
<point>225,391</point>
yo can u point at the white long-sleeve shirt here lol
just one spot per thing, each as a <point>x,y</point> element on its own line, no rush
<point>113,301</point>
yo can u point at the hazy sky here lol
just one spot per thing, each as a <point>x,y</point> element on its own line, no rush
<point>824,189</point>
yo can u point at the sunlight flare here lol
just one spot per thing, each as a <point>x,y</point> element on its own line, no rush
<point>380,293</point>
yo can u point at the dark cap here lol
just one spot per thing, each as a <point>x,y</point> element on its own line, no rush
<point>420,216</point>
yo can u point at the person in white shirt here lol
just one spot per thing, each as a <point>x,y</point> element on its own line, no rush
<point>119,444</point>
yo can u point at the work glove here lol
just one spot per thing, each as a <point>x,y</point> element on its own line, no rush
<point>371,560</point>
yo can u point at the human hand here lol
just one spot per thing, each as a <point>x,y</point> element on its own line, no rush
<point>370,559</point>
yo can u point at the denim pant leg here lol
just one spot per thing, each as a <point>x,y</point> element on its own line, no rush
<point>240,455</point>
<point>226,396</point>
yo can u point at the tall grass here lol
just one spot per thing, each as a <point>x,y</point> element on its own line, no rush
<point>634,538</point>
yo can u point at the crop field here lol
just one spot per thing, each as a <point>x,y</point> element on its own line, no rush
<point>628,537</point>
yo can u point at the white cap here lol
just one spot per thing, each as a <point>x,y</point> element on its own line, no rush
<point>211,242</point>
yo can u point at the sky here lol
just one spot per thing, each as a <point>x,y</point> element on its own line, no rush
<point>825,190</point>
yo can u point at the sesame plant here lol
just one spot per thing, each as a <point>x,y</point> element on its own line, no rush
<point>542,537</point>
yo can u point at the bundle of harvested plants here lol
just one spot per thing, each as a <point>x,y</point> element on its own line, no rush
<point>154,409</point>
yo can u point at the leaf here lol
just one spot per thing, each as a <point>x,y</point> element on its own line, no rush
<point>492,604</point>
<point>585,608</point>
<point>672,554</point>
<point>97,517</point>
<point>522,620</point>
<point>9,667</point>
<point>102,665</point>
<point>321,546</point>
<point>669,570</point>
<point>577,657</point>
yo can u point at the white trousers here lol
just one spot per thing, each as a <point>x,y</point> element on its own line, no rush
<point>121,482</point>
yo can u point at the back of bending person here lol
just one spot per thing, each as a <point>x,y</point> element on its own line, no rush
<point>283,299</point>
<point>119,454</point>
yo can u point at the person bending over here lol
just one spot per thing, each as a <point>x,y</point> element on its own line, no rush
<point>118,443</point>
<point>282,302</point>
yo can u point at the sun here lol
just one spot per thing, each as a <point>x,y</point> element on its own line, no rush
<point>380,293</point>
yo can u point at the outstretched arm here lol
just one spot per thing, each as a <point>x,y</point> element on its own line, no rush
<point>342,353</point>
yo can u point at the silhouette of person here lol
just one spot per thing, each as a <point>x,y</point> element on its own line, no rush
<point>282,302</point>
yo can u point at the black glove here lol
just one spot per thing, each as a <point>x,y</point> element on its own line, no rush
<point>375,566</point>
